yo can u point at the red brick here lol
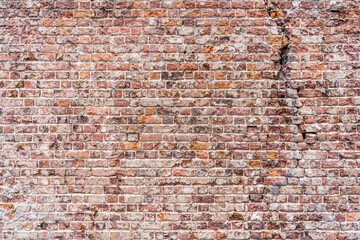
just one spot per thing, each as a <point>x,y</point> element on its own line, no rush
<point>179,119</point>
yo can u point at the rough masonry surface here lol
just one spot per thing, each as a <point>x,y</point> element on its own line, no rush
<point>219,119</point>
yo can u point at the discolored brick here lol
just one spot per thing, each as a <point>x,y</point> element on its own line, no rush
<point>179,119</point>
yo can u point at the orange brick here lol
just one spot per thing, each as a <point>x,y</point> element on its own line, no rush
<point>131,146</point>
<point>155,13</point>
<point>200,146</point>
<point>96,111</point>
<point>77,154</point>
<point>352,217</point>
<point>150,119</point>
<point>255,164</point>
<point>272,155</point>
<point>7,207</point>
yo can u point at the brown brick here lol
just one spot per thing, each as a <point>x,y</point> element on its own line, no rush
<point>179,119</point>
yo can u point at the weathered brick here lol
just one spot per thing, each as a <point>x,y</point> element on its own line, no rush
<point>179,119</point>
<point>131,146</point>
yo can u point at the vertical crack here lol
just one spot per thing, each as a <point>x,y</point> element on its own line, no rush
<point>285,48</point>
<point>292,93</point>
<point>283,59</point>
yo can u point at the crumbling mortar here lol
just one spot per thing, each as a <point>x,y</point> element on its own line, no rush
<point>282,75</point>
<point>285,48</point>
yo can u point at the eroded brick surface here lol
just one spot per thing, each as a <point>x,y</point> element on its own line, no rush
<point>179,119</point>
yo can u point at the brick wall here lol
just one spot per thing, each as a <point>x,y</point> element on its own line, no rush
<point>179,119</point>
